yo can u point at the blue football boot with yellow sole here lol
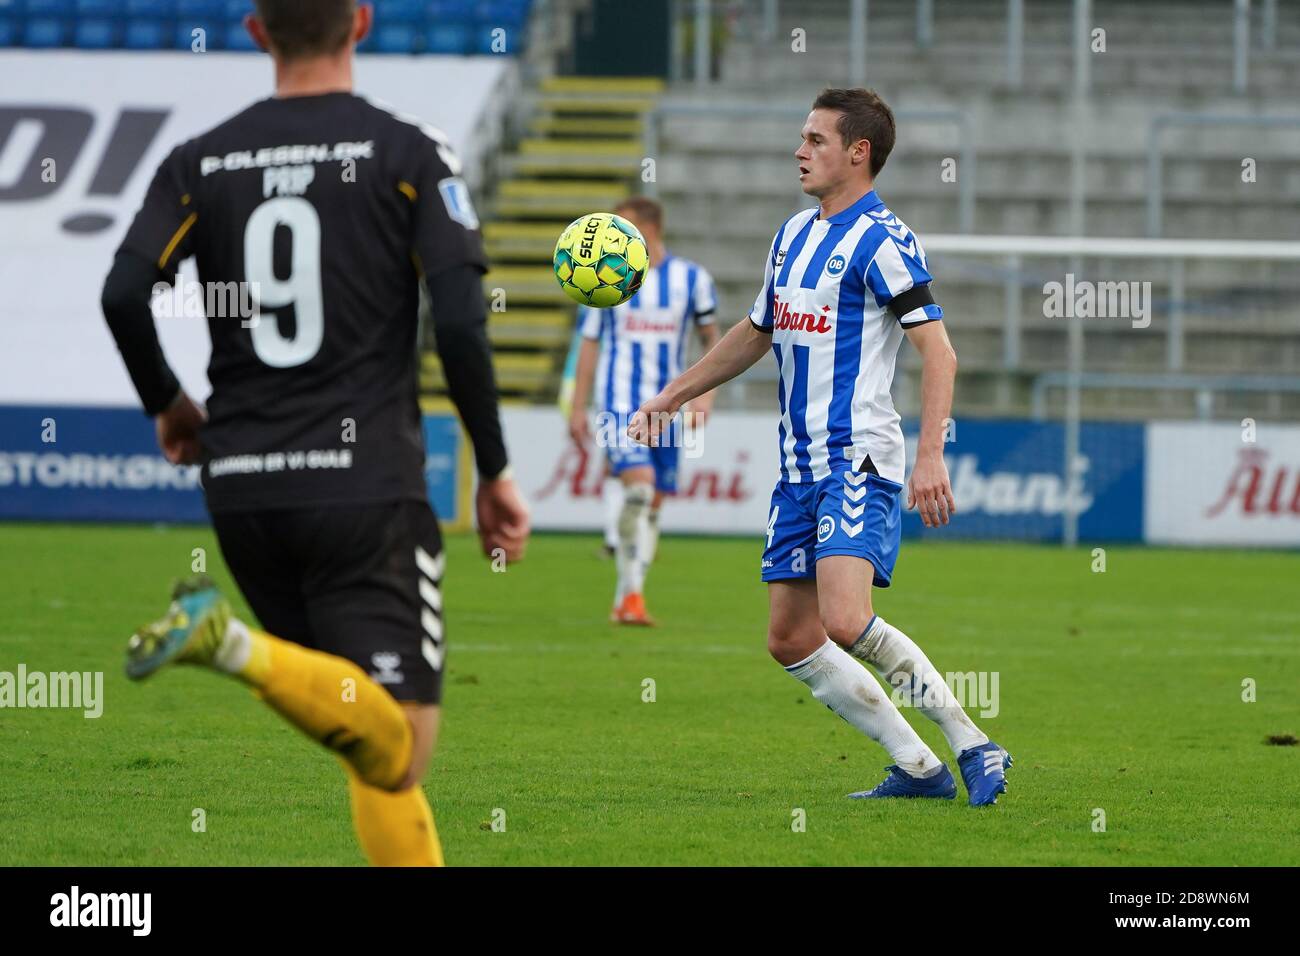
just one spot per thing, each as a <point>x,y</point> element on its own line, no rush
<point>191,632</point>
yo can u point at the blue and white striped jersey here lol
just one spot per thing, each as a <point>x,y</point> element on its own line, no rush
<point>643,340</point>
<point>837,294</point>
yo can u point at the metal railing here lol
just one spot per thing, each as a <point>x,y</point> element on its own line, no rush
<point>1076,249</point>
<point>1073,379</point>
<point>1205,386</point>
<point>858,17</point>
<point>1013,250</point>
<point>1155,153</point>
<point>652,138</point>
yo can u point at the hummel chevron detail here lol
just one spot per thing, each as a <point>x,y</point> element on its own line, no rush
<point>853,478</point>
<point>430,594</point>
<point>900,232</point>
<point>431,567</point>
<point>431,624</point>
<point>853,512</point>
<point>855,494</point>
<point>852,530</point>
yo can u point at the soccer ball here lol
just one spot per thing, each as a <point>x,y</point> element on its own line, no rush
<point>600,260</point>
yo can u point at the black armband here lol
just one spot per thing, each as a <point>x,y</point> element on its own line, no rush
<point>917,297</point>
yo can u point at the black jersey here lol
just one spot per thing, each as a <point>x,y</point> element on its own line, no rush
<point>310,220</point>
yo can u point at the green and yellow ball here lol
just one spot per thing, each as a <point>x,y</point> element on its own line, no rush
<point>600,260</point>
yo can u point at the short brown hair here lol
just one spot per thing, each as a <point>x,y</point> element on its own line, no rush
<point>644,208</point>
<point>306,28</point>
<point>863,115</point>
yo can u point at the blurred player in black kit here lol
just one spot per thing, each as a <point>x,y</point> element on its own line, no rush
<point>328,211</point>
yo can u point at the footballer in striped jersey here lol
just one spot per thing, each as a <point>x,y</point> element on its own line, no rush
<point>844,282</point>
<point>631,352</point>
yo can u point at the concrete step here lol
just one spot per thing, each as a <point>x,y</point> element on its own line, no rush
<point>1115,123</point>
<point>531,328</point>
<point>1006,175</point>
<point>603,86</point>
<point>521,374</point>
<point>570,147</point>
<point>546,210</point>
<point>1001,394</point>
<point>1033,128</point>
<point>935,212</point>
<point>973,67</point>
<point>609,106</point>
<point>527,285</point>
<point>522,241</point>
<point>896,20</point>
<point>563,204</point>
<point>584,126</point>
<point>986,389</point>
<point>589,189</point>
<point>1275,284</point>
<point>569,164</point>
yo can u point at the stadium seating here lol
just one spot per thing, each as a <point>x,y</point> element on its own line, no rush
<point>43,32</point>
<point>583,148</point>
<point>448,37</point>
<point>237,38</point>
<point>458,27</point>
<point>396,38</point>
<point>146,35</point>
<point>726,181</point>
<point>95,33</point>
<point>51,8</point>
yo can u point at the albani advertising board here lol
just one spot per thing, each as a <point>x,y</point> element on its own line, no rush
<point>1223,484</point>
<point>1006,477</point>
<point>724,481</point>
<point>1164,483</point>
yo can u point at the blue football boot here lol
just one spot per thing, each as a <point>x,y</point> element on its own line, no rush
<point>190,633</point>
<point>899,783</point>
<point>983,770</point>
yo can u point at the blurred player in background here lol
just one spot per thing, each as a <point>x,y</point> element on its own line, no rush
<point>639,346</point>
<point>332,210</point>
<point>611,490</point>
<point>844,282</point>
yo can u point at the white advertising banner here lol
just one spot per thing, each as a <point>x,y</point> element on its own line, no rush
<point>80,137</point>
<point>1223,484</point>
<point>724,484</point>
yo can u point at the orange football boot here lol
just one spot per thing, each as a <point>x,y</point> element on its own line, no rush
<point>632,611</point>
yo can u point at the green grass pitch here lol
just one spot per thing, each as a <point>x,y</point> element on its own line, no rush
<point>1119,691</point>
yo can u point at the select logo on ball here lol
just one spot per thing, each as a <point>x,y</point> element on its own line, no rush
<point>600,260</point>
